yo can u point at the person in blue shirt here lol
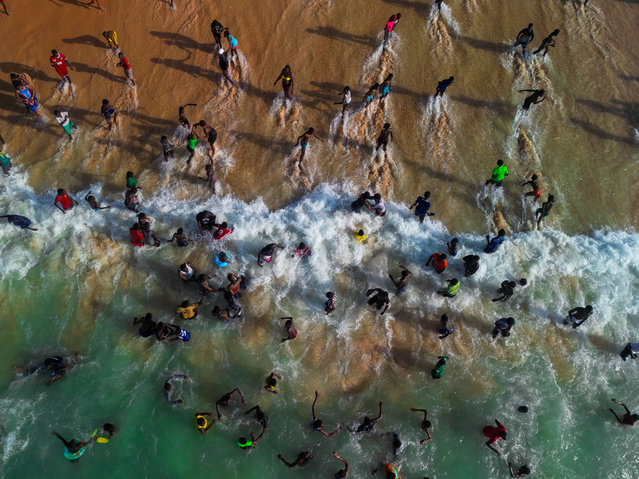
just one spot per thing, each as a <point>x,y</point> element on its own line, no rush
<point>442,85</point>
<point>21,221</point>
<point>423,206</point>
<point>493,244</point>
<point>503,326</point>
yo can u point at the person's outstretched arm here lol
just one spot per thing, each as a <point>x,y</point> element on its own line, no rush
<point>622,405</point>
<point>490,446</point>
<point>615,414</point>
<point>64,441</point>
<point>428,438</point>
<point>313,406</point>
<point>258,438</point>
<point>336,456</point>
<point>252,409</point>
<point>239,391</point>
<point>381,406</point>
<point>281,458</point>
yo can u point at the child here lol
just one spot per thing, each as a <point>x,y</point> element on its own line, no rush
<point>93,203</point>
<point>167,148</point>
<point>360,236</point>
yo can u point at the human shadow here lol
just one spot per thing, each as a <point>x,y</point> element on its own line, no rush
<point>84,68</point>
<point>629,77</point>
<point>627,110</point>
<point>500,107</point>
<point>264,142</point>
<point>335,34</point>
<point>252,90</point>
<point>85,40</point>
<point>420,7</point>
<point>598,132</point>
<point>182,66</point>
<point>183,42</point>
<point>36,74</point>
<point>486,45</point>
<point>75,3</point>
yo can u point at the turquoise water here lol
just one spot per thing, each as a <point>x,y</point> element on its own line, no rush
<point>76,284</point>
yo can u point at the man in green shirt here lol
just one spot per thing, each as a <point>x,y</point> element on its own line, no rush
<point>498,175</point>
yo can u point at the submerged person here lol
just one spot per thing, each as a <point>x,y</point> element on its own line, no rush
<point>438,261</point>
<point>226,400</point>
<point>494,434</point>
<point>498,175</point>
<point>577,316</point>
<point>471,264</point>
<point>73,449</point>
<point>537,96</point>
<point>291,332</point>
<point>445,330</point>
<point>524,37</point>
<point>206,221</point>
<point>169,333</point>
<point>422,206</point>
<point>271,383</point>
<point>225,65</point>
<point>21,221</point>
<point>217,29</point>
<point>317,423</point>
<point>385,135</point>
<point>451,290</point>
<point>221,314</point>
<point>168,388</point>
<point>535,192</point>
<point>367,423</point>
<point>342,473</point>
<point>547,42</point>
<point>425,425</point>
<point>506,290</point>
<point>380,299</point>
<point>259,415</point>
<point>287,81</point>
<point>523,470</point>
<point>628,419</point>
<point>443,85</point>
<point>438,370</point>
<point>330,304</point>
<point>544,211</point>
<point>503,327</point>
<point>493,244</point>
<point>401,283</point>
<point>302,140</point>
<point>360,236</point>
<point>147,325</point>
<point>93,203</point>
<point>302,459</point>
<point>630,350</point>
<point>204,421</point>
<point>265,255</point>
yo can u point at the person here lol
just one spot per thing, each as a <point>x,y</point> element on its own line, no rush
<point>136,237</point>
<point>444,330</point>
<point>4,6</point>
<point>385,87</point>
<point>221,259</point>
<point>221,314</point>
<point>544,211</point>
<point>438,370</point>
<point>259,415</point>
<point>536,192</point>
<point>331,302</point>
<point>168,388</point>
<point>203,422</point>
<point>225,65</point>
<point>302,140</point>
<point>390,471</point>
<point>493,244</point>
<point>131,199</point>
<point>317,423</point>
<point>384,136</point>
<point>379,299</point>
<point>244,443</point>
<point>232,42</point>
<point>503,326</point>
<point>271,383</point>
<point>425,425</point>
<point>167,148</point>
<point>302,459</point>
<point>439,262</point>
<point>29,98</point>
<point>377,205</point>
<point>342,473</point>
<point>301,251</point>
<point>628,419</point>
<point>186,272</point>
<point>109,112</point>
<point>211,177</point>
<point>149,236</point>
<point>187,310</point>
<point>180,238</point>
<point>5,162</point>
<point>211,137</point>
<point>397,444</point>
<point>54,366</point>
<point>402,282</point>
<point>450,291</point>
<point>131,180</point>
<point>391,24</point>
<point>111,38</point>
<point>266,254</point>
<point>291,332</point>
<point>443,85</point>
<point>21,221</point>
<point>346,99</point>
<point>60,63</point>
<point>226,400</point>
<point>577,316</point>
<point>522,471</point>
<point>126,66</point>
<point>93,203</point>
<point>147,327</point>
<point>494,434</point>
<point>62,117</point>
<point>537,96</point>
<point>631,349</point>
<point>367,423</point>
<point>370,95</point>
<point>169,333</point>
<point>203,285</point>
<point>360,236</point>
<point>287,81</point>
<point>205,221</point>
<point>524,37</point>
<point>422,206</point>
<point>103,434</point>
<point>506,290</point>
<point>547,42</point>
<point>222,231</point>
<point>498,175</point>
<point>232,305</point>
<point>64,202</point>
<point>217,29</point>
<point>360,202</point>
<point>182,119</point>
<point>73,449</point>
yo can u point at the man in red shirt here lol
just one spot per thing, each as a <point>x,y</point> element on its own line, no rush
<point>128,71</point>
<point>60,63</point>
<point>63,201</point>
<point>494,434</point>
<point>222,231</point>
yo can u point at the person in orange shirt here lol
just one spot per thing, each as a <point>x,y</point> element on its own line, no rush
<point>439,262</point>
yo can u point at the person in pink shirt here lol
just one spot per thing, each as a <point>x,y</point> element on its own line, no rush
<point>60,63</point>
<point>390,25</point>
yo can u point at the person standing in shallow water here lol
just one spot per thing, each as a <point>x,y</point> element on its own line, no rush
<point>391,24</point>
<point>287,81</point>
<point>547,42</point>
<point>385,135</point>
<point>537,96</point>
<point>302,140</point>
<point>524,37</point>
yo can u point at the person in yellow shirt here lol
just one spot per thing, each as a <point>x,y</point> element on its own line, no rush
<point>111,38</point>
<point>360,237</point>
<point>187,310</point>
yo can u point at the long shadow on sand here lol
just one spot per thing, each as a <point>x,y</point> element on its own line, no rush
<point>335,34</point>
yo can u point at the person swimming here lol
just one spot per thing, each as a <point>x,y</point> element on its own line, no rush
<point>425,425</point>
<point>317,423</point>
<point>471,265</point>
<point>445,330</point>
<point>303,458</point>
<point>438,370</point>
<point>204,421</point>
<point>628,419</point>
<point>271,383</point>
<point>147,327</point>
<point>368,424</point>
<point>380,299</point>
<point>331,302</point>
<point>494,434</point>
<point>265,255</point>
<point>73,449</point>
<point>226,400</point>
<point>342,473</point>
